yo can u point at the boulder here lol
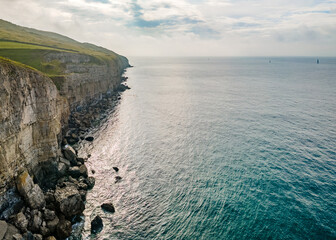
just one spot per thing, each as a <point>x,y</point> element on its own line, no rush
<point>90,181</point>
<point>108,207</point>
<point>49,214</point>
<point>69,200</point>
<point>38,237</point>
<point>53,224</point>
<point>28,236</point>
<point>17,236</point>
<point>51,238</point>
<point>118,179</point>
<point>11,231</point>
<point>21,222</point>
<point>36,221</point>
<point>64,229</point>
<point>83,170</point>
<point>74,172</point>
<point>116,169</point>
<point>70,154</point>
<point>89,139</point>
<point>96,225</point>
<point>3,229</point>
<point>31,192</point>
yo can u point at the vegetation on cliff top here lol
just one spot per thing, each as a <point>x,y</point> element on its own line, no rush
<point>29,46</point>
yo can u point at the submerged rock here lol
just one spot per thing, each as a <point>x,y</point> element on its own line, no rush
<point>96,225</point>
<point>116,169</point>
<point>89,139</point>
<point>108,207</point>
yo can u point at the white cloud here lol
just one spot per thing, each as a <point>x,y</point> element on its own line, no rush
<point>186,27</point>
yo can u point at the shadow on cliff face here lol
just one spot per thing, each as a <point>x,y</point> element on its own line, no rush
<point>46,174</point>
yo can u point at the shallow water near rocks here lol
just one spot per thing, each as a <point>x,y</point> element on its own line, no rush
<point>218,148</point>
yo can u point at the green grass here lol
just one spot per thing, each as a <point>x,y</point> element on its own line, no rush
<point>30,46</point>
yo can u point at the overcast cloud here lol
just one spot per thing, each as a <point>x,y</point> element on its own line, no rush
<point>187,27</point>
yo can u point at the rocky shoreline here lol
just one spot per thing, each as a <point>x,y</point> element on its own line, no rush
<point>54,208</point>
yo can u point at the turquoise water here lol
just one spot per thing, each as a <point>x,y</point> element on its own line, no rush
<point>219,148</point>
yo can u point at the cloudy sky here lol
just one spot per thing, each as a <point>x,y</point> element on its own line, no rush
<point>187,27</point>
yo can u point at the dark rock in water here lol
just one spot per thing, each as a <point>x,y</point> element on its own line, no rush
<point>118,178</point>
<point>116,169</point>
<point>81,160</point>
<point>96,225</point>
<point>89,139</point>
<point>108,207</point>
<point>93,171</point>
<point>123,87</point>
<point>64,229</point>
<point>90,181</point>
<point>3,229</point>
<point>69,200</point>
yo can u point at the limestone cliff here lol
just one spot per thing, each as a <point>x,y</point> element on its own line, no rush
<point>31,116</point>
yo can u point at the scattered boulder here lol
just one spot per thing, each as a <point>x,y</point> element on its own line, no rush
<point>38,237</point>
<point>31,192</point>
<point>90,181</point>
<point>21,222</point>
<point>83,170</point>
<point>28,236</point>
<point>74,172</point>
<point>3,229</point>
<point>49,215</point>
<point>64,229</point>
<point>89,139</point>
<point>108,207</point>
<point>53,224</point>
<point>96,225</point>
<point>70,154</point>
<point>17,236</point>
<point>93,171</point>
<point>118,179</point>
<point>36,221</point>
<point>116,169</point>
<point>11,231</point>
<point>69,200</point>
<point>51,238</point>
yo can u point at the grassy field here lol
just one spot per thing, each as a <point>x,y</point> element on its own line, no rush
<point>29,46</point>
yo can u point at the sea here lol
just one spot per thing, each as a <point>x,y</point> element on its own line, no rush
<point>218,148</point>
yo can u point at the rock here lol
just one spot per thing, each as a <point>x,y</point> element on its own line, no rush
<point>45,231</point>
<point>83,194</point>
<point>90,181</point>
<point>62,169</point>
<point>36,221</point>
<point>49,215</point>
<point>11,231</point>
<point>70,154</point>
<point>3,229</point>
<point>75,172</point>
<point>17,236</point>
<point>28,236</point>
<point>118,178</point>
<point>93,171</point>
<point>83,170</point>
<point>82,186</point>
<point>51,238</point>
<point>108,207</point>
<point>81,160</point>
<point>65,162</point>
<point>53,224</point>
<point>31,192</point>
<point>89,139</point>
<point>116,169</point>
<point>64,229</point>
<point>21,222</point>
<point>69,200</point>
<point>38,237</point>
<point>96,225</point>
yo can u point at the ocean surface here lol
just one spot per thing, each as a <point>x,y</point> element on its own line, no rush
<point>219,148</point>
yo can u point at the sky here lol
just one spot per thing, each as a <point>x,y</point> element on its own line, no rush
<point>187,27</point>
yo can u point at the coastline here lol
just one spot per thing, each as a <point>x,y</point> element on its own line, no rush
<point>53,209</point>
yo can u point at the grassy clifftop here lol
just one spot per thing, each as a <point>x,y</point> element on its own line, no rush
<point>29,46</point>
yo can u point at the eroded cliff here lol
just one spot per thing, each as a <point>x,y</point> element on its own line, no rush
<point>32,113</point>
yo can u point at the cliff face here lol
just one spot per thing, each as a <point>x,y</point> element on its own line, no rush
<point>85,79</point>
<point>31,116</point>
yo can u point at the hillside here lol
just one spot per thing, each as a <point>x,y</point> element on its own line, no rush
<point>30,46</point>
